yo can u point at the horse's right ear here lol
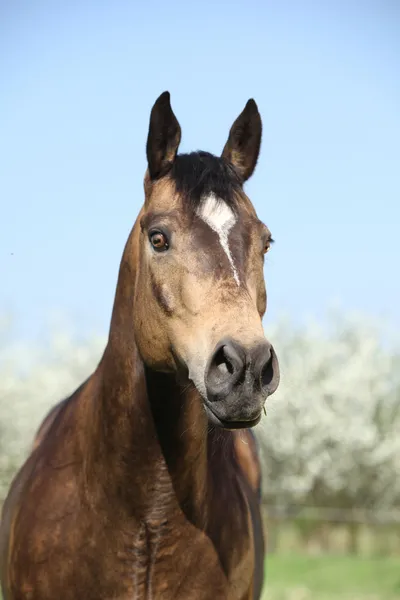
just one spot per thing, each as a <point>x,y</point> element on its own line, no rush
<point>163,138</point>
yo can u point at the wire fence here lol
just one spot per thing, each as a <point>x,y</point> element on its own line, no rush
<point>334,515</point>
<point>332,530</point>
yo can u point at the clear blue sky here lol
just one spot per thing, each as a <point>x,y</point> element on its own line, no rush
<point>77,82</point>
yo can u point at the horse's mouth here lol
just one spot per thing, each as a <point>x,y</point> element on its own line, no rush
<point>215,420</point>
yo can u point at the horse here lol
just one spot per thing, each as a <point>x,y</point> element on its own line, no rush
<point>145,482</point>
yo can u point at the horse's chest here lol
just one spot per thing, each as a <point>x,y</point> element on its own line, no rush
<point>147,559</point>
<point>166,561</point>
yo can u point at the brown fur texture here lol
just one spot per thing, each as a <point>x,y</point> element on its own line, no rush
<point>128,492</point>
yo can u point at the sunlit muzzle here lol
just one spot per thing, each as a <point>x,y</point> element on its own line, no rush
<point>238,380</point>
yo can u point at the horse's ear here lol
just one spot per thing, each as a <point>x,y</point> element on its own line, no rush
<point>163,138</point>
<point>243,145</point>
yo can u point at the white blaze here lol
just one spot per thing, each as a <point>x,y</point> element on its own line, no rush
<point>221,219</point>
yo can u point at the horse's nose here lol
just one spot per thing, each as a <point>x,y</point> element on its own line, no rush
<point>233,366</point>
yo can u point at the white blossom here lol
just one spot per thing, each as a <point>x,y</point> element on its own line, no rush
<point>331,436</point>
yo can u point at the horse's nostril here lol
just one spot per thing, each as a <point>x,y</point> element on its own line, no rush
<point>267,373</point>
<point>224,369</point>
<point>222,363</point>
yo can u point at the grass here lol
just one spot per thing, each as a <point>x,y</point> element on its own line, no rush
<point>327,577</point>
<point>324,577</point>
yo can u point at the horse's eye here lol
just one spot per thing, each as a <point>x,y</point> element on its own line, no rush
<point>159,241</point>
<point>267,243</point>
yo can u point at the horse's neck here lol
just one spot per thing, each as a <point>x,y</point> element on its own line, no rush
<point>150,432</point>
<point>123,456</point>
<point>149,441</point>
<point>181,426</point>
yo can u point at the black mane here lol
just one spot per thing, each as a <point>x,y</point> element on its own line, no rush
<point>199,174</point>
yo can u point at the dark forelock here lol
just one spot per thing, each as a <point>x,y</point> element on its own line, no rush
<point>199,174</point>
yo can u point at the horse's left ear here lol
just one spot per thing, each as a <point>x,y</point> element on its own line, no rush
<point>243,145</point>
<point>164,137</point>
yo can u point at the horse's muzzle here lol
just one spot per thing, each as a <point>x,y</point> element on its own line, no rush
<point>238,381</point>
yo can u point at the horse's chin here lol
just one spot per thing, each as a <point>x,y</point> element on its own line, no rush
<point>216,421</point>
